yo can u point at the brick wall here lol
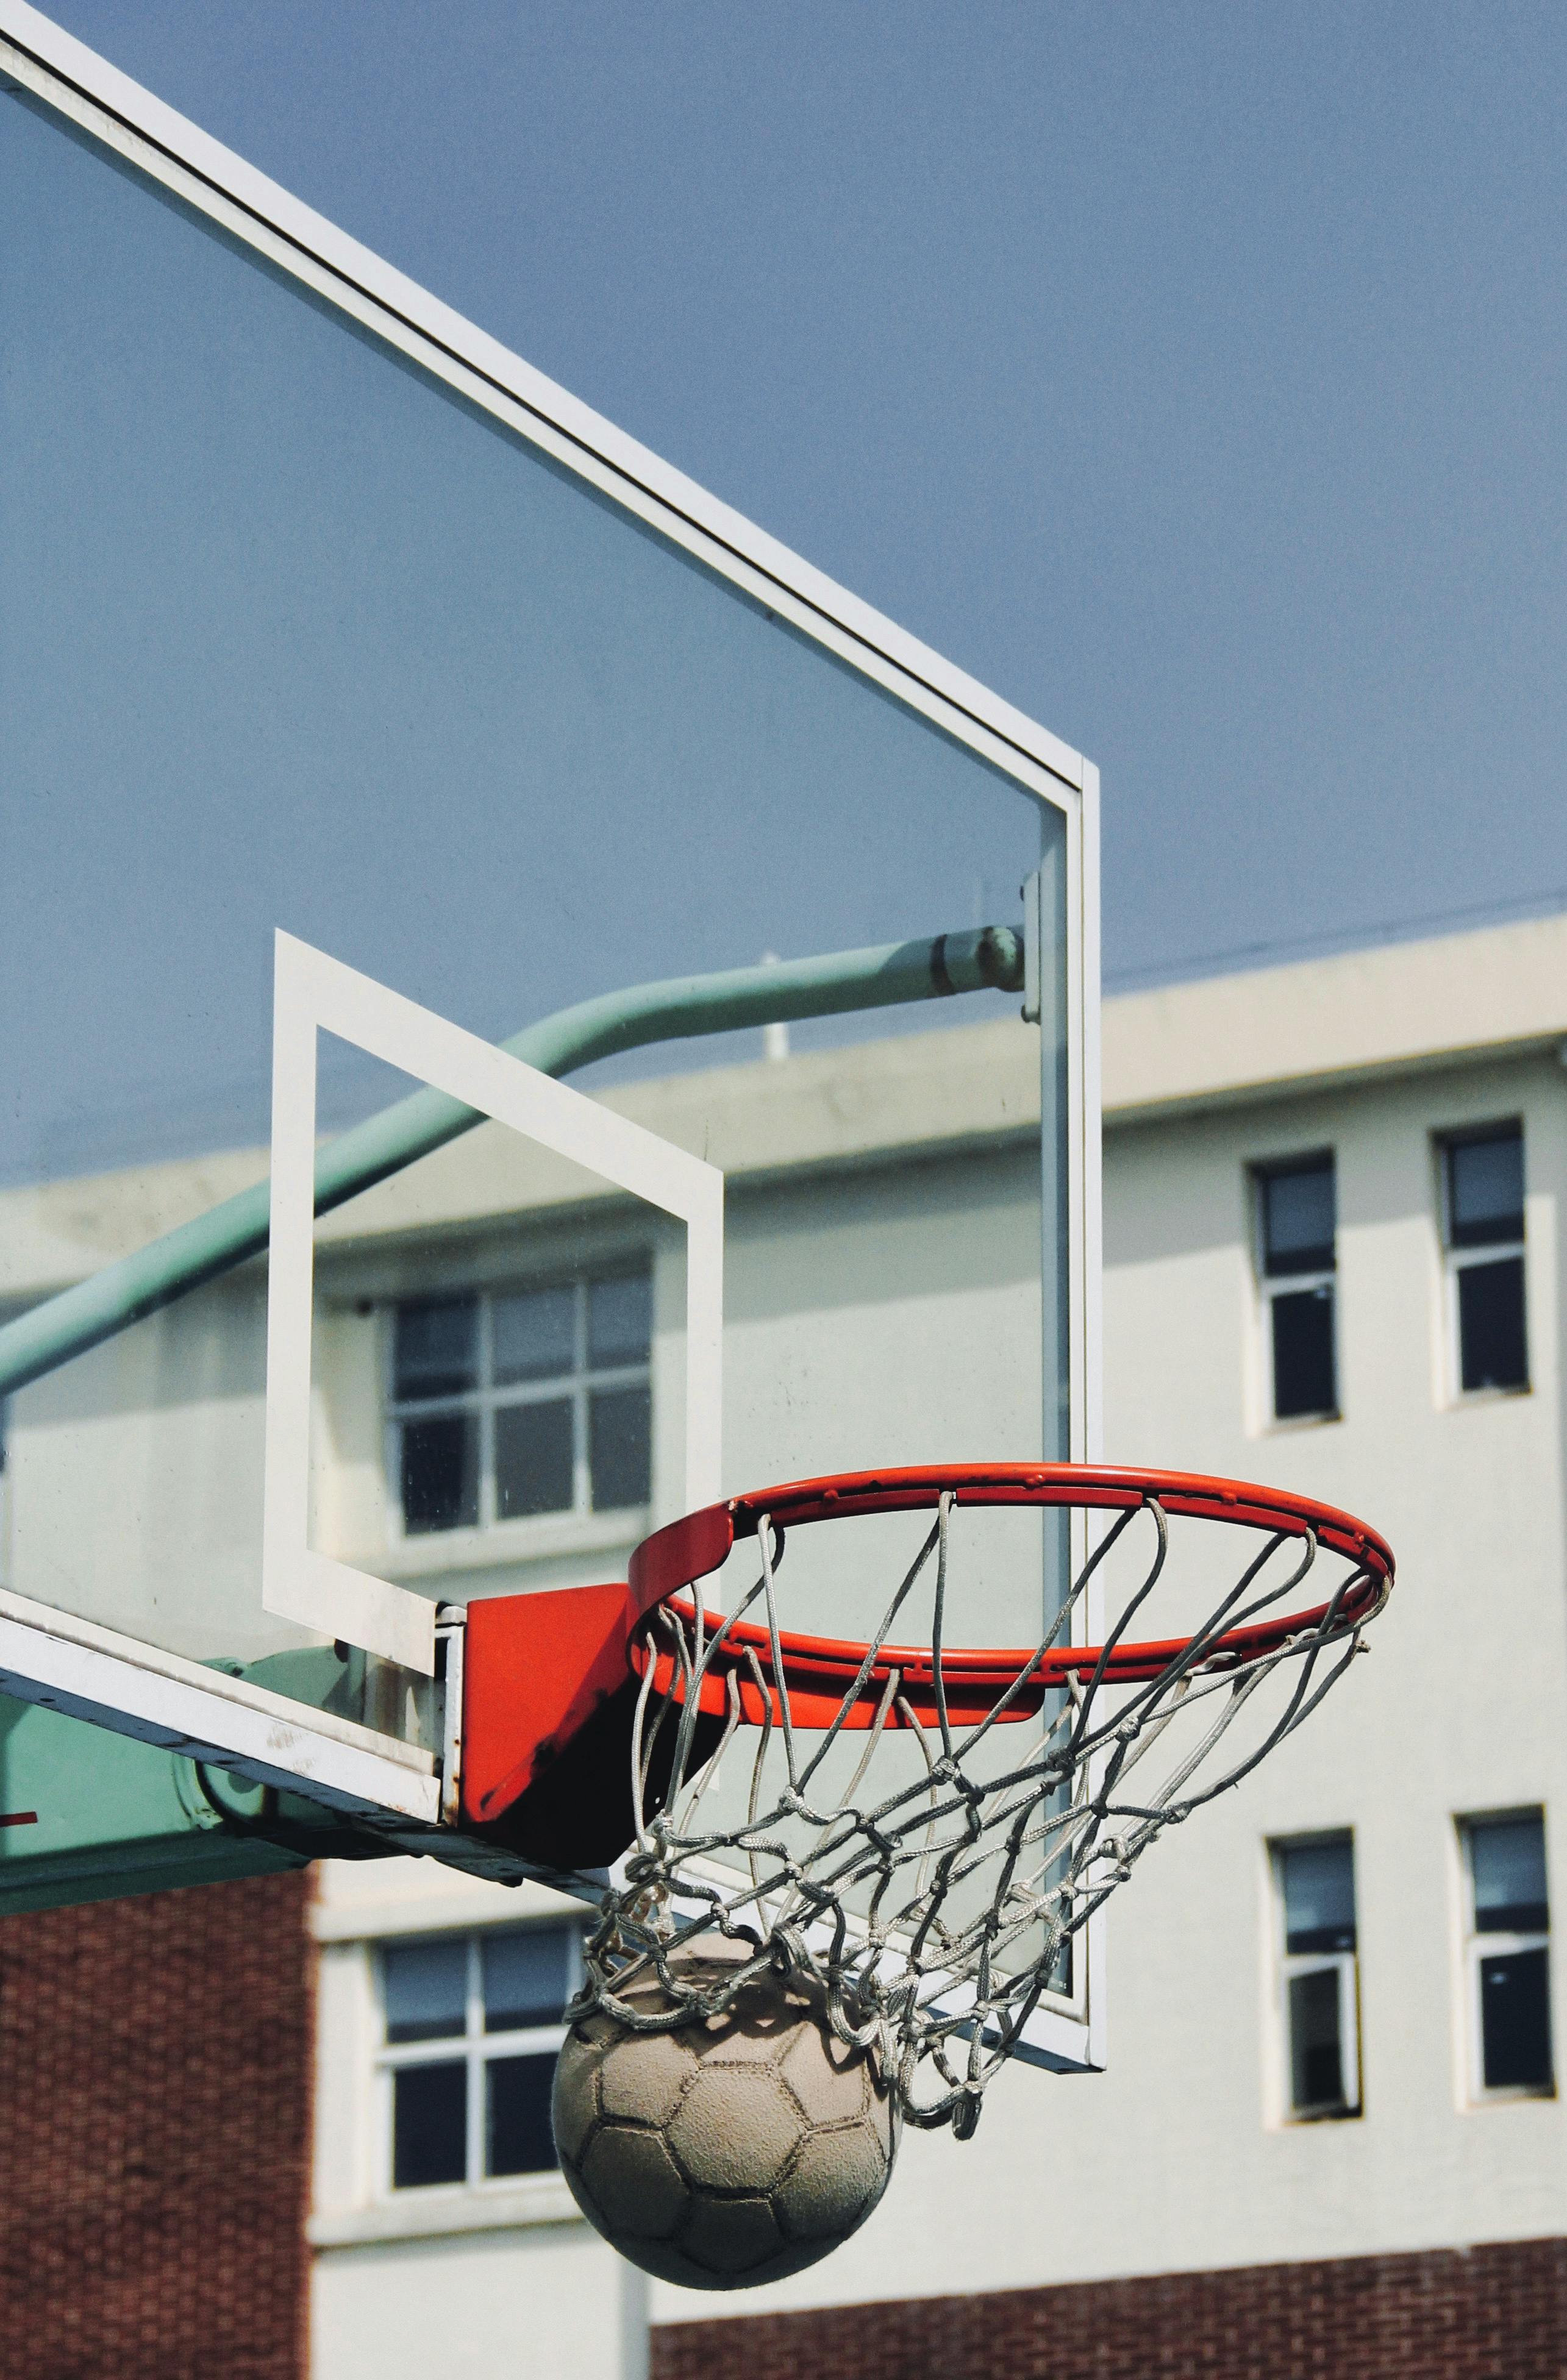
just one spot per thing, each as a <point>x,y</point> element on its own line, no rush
<point>155,2064</point>
<point>1481,2314</point>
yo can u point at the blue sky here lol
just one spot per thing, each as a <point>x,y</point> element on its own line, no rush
<point>1191,374</point>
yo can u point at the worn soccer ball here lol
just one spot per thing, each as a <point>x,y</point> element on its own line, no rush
<point>733,2150</point>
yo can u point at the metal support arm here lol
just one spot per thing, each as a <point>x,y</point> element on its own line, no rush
<point>119,1813</point>
<point>989,958</point>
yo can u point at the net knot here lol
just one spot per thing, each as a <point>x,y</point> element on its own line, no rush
<point>965,2114</point>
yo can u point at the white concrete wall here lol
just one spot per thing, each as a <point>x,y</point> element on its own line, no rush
<point>1175,2157</point>
<point>487,2305</point>
<point>883,1308</point>
<point>872,1316</point>
<point>134,1480</point>
<point>482,2285</point>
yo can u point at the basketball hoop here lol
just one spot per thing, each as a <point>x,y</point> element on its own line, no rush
<point>894,1852</point>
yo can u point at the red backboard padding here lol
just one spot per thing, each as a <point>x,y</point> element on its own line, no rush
<point>535,1670</point>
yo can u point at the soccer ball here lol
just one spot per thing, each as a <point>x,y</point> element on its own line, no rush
<point>732,2150</point>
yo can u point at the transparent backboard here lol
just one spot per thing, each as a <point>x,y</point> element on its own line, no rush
<point>324,613</point>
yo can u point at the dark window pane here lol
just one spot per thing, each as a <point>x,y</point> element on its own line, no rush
<point>620,1319</point>
<point>440,1473</point>
<point>1297,1218</point>
<point>429,2125</point>
<point>1319,1887</point>
<point>518,2134</point>
<point>436,1352</point>
<point>1492,1351</point>
<point>1303,1353</point>
<point>526,1976</point>
<point>424,1989</point>
<point>620,1447</point>
<point>533,1459</point>
<point>1515,2021</point>
<point>1317,2069</point>
<point>1485,1190</point>
<point>535,1335</point>
<point>1507,1861</point>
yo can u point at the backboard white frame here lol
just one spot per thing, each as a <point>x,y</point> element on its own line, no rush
<point>90,92</point>
<point>71,79</point>
<point>313,993</point>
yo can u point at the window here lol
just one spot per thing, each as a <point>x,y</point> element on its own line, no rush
<point>1295,1233</point>
<point>470,2025</point>
<point>1314,1884</point>
<point>508,1404</point>
<point>1508,1957</point>
<point>1483,1228</point>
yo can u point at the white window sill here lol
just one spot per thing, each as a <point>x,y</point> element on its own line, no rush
<point>376,1901</point>
<point>434,2214</point>
<point>550,1537</point>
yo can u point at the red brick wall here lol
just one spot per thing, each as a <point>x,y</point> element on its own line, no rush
<point>1482,2313</point>
<point>155,2064</point>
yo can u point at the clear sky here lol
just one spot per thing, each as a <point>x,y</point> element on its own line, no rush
<point>1191,374</point>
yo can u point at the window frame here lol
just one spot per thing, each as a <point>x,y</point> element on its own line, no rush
<point>473,2047</point>
<point>1456,1260</point>
<point>1271,1286</point>
<point>1290,1965</point>
<point>486,1398</point>
<point>1477,1946</point>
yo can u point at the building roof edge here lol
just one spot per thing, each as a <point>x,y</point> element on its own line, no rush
<point>1318,1024</point>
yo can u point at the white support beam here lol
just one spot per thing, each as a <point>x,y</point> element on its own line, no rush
<point>87,1673</point>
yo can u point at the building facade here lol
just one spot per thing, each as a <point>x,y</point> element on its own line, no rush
<point>1329,2135</point>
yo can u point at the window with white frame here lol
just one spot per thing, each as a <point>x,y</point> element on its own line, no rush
<point>1319,1983</point>
<point>508,1404</point>
<point>470,2025</point>
<point>1296,1228</point>
<point>1482,1185</point>
<point>1507,1957</point>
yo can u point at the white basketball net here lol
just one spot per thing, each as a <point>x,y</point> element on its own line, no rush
<point>936,1914</point>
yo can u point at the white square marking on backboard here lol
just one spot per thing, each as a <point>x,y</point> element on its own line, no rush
<point>314,993</point>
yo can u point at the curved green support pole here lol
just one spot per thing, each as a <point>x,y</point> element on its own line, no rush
<point>990,958</point>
